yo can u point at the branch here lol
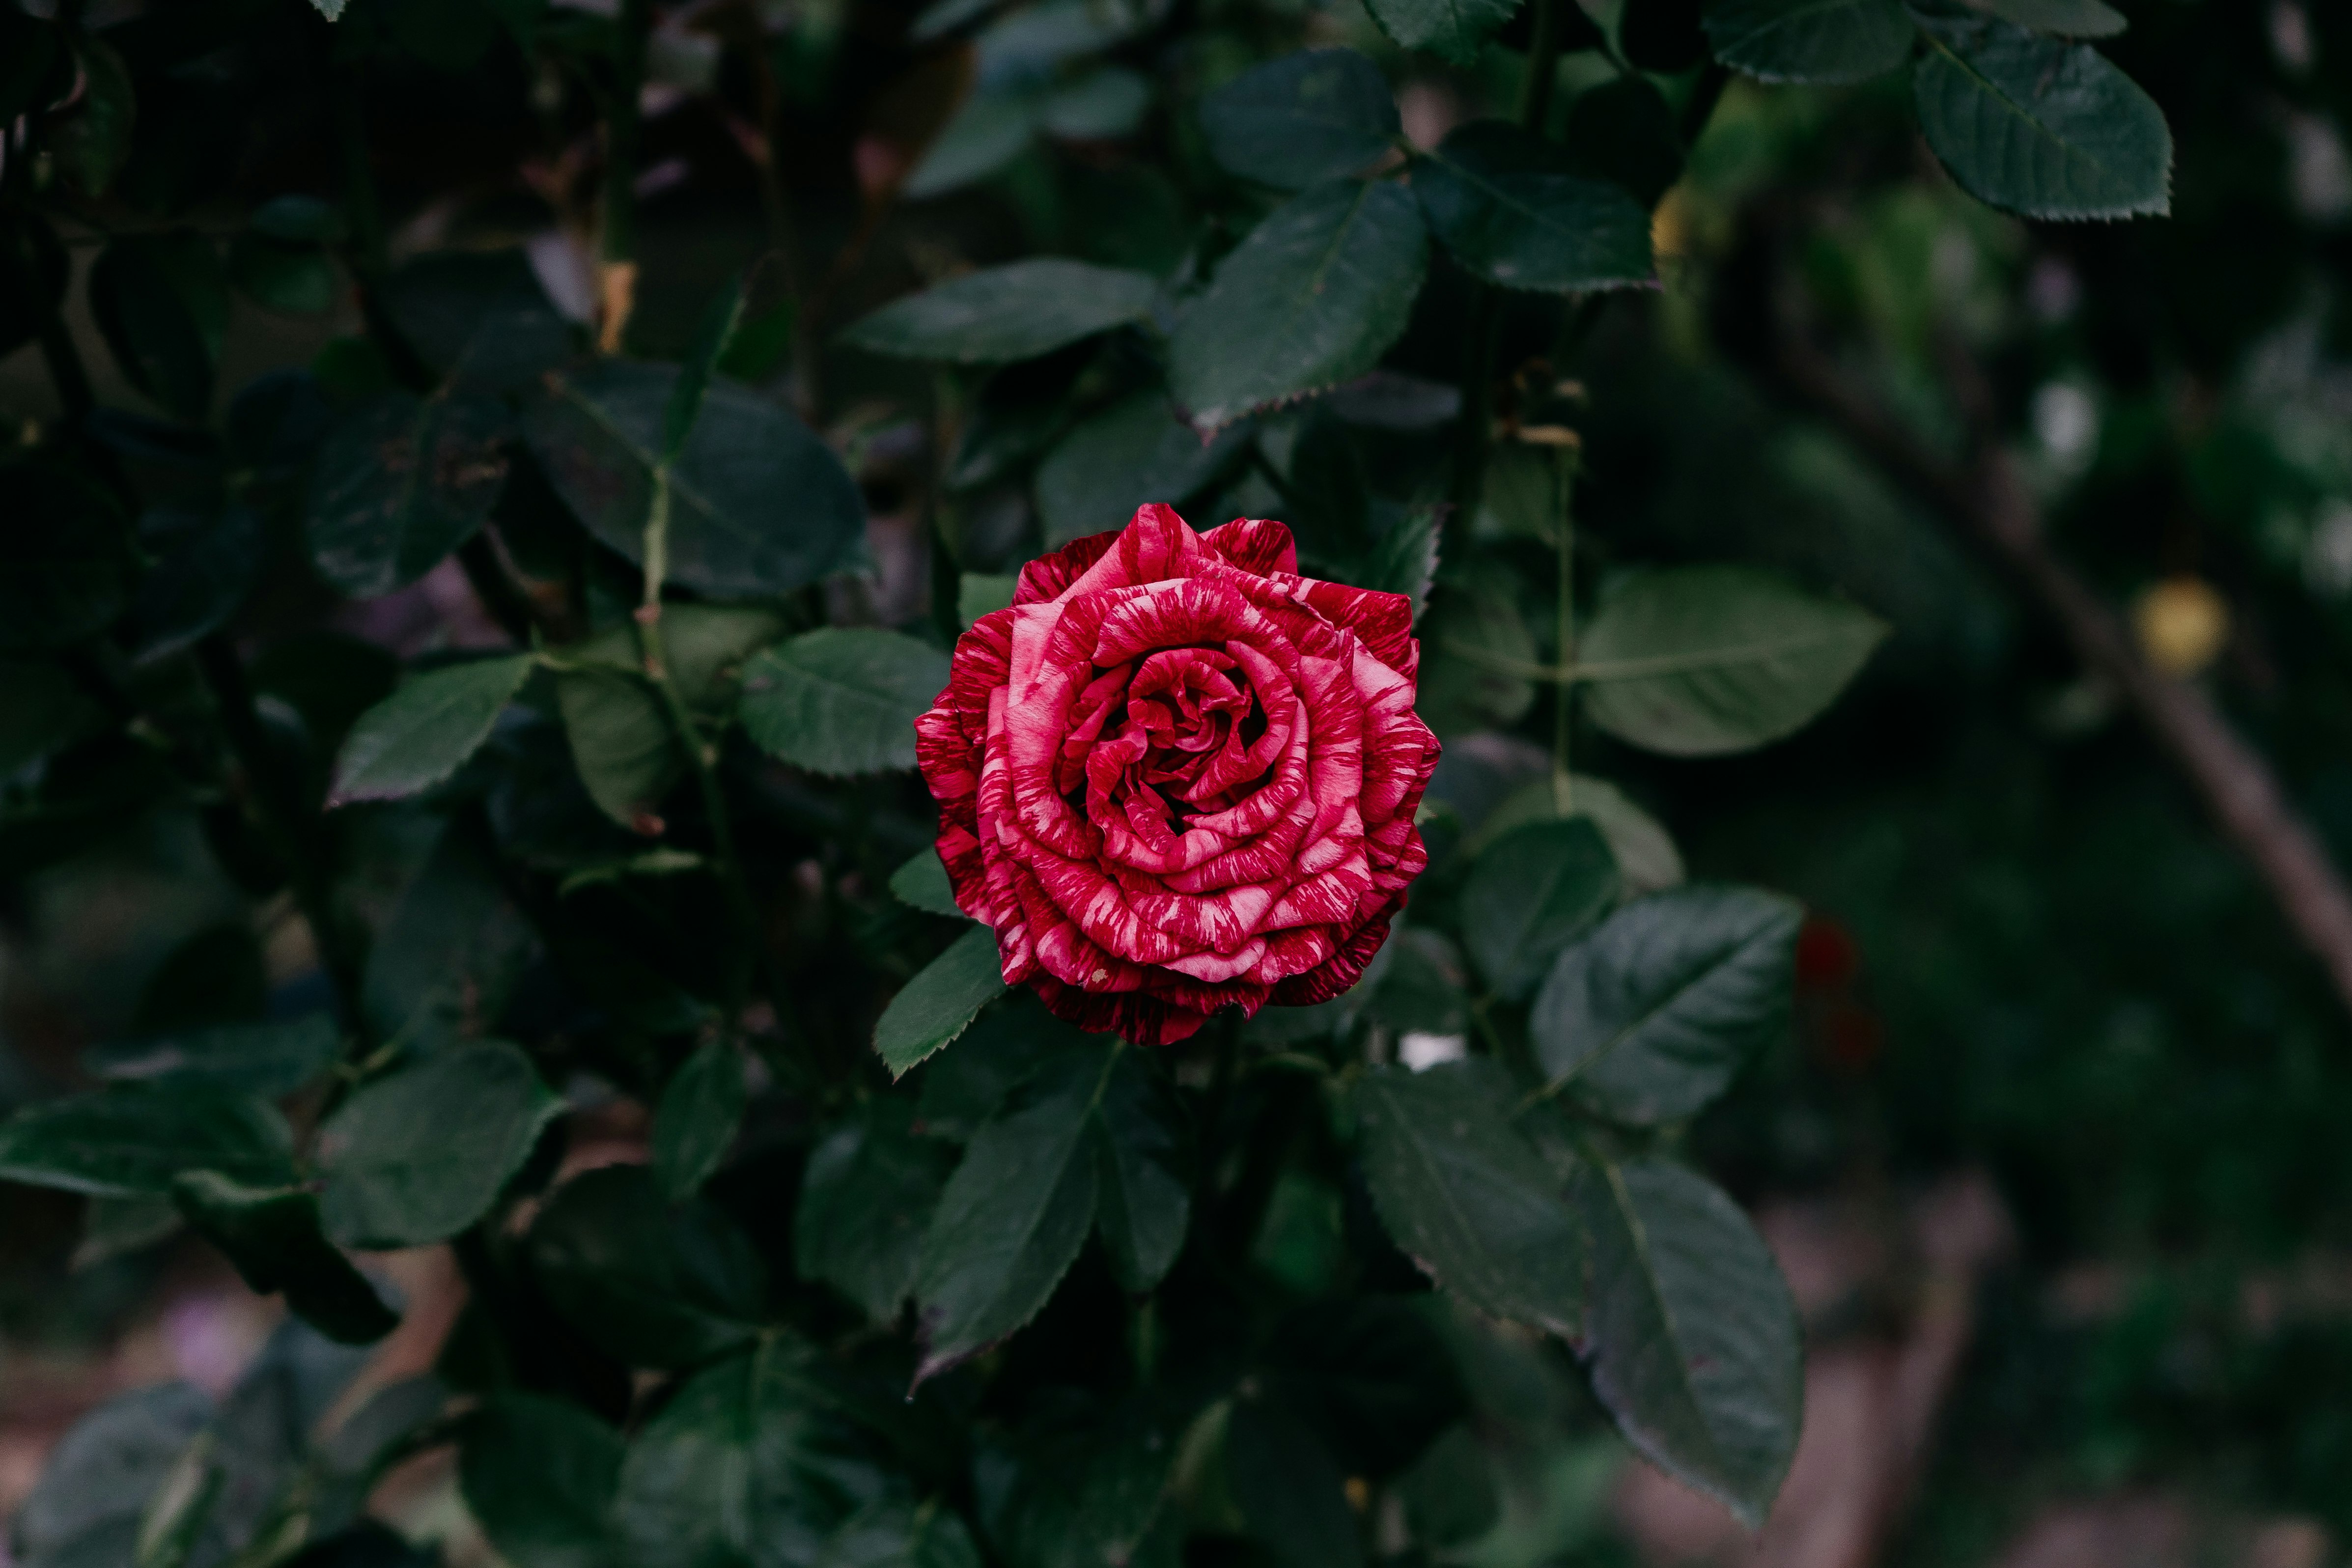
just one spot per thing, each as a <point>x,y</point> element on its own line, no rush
<point>1988,501</point>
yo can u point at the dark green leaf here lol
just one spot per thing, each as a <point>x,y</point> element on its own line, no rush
<point>117,1228</point>
<point>298,220</point>
<point>1466,1197</point>
<point>1013,1217</point>
<point>424,732</point>
<point>203,561</point>
<point>922,882</point>
<point>988,132</point>
<point>621,734</point>
<point>963,1089</point>
<point>1624,132</point>
<point>938,1003</point>
<point>1452,29</point>
<point>892,1534</point>
<point>419,1154</point>
<point>268,1059</point>
<point>1506,204</point>
<point>1313,297</point>
<point>693,383</point>
<point>868,1195</point>
<point>442,967</point>
<point>1404,559</point>
<point>652,1283</point>
<point>1646,857</point>
<point>271,1234</point>
<point>477,320</point>
<point>1132,453</point>
<point>1414,985</point>
<point>162,303</point>
<point>1086,1488</point>
<point>132,1138</point>
<point>1696,661</point>
<point>2068,18</point>
<point>1289,1488</point>
<point>1308,116</point>
<point>1810,40</point>
<point>694,1125</point>
<point>1450,1496</point>
<point>980,593</point>
<point>842,699</point>
<point>296,279</point>
<point>2038,127</point>
<point>1371,1373</point>
<point>92,142</point>
<point>1531,892</point>
<point>1693,1345</point>
<point>85,1509</point>
<point>758,504</point>
<point>61,560</point>
<point>401,482</point>
<point>1012,313</point>
<point>1460,690</point>
<point>1144,1191</point>
<point>1648,1018</point>
<point>1106,102</point>
<point>539,1476</point>
<point>733,1469</point>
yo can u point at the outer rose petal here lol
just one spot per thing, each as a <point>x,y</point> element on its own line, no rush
<point>1175,776</point>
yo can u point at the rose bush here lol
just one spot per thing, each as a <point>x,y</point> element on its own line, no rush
<point>1174,775</point>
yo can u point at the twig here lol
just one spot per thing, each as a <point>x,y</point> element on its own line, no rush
<point>1988,501</point>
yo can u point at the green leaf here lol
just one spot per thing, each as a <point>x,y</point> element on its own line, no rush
<point>92,142</point>
<point>1107,101</point>
<point>1087,1487</point>
<point>759,504</point>
<point>130,1139</point>
<point>1449,1493</point>
<point>1012,313</point>
<point>720,321</point>
<point>694,1125</point>
<point>1289,1487</point>
<point>1404,559</point>
<point>1308,116</point>
<point>1696,661</point>
<point>162,304</point>
<point>1647,1020</point>
<point>61,560</point>
<point>539,1476</point>
<point>443,965</point>
<point>732,1469</point>
<point>922,882</point>
<point>1452,29</point>
<point>1693,1344</point>
<point>963,1091</point>
<point>267,1060</point>
<point>1460,691</point>
<point>1529,894</point>
<point>399,483</point>
<point>1143,1193</point>
<point>2038,127</point>
<point>477,319</point>
<point>1817,41</point>
<point>651,1283</point>
<point>1013,1219</point>
<point>1466,1197</point>
<point>203,562</point>
<point>1644,852</point>
<point>937,1004</point>
<point>1414,985</point>
<point>1313,297</point>
<point>620,731</point>
<point>424,732</point>
<point>1136,451</point>
<point>868,1193</point>
<point>294,278</point>
<point>2068,18</point>
<point>271,1236</point>
<point>988,132</point>
<point>842,699</point>
<point>890,1532</point>
<point>85,1509</point>
<point>1506,204</point>
<point>417,1155</point>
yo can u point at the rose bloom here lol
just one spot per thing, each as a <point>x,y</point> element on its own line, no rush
<point>1174,775</point>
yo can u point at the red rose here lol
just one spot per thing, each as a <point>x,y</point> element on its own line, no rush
<point>1175,776</point>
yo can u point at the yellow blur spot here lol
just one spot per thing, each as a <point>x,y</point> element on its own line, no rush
<point>2182,624</point>
<point>1670,226</point>
<point>1360,1493</point>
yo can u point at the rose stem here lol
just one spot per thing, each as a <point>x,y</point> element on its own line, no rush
<point>1564,685</point>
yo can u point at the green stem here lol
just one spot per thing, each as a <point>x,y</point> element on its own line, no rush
<point>291,828</point>
<point>1563,693</point>
<point>1480,335</point>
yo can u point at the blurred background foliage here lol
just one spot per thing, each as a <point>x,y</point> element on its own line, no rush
<point>2029,953</point>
